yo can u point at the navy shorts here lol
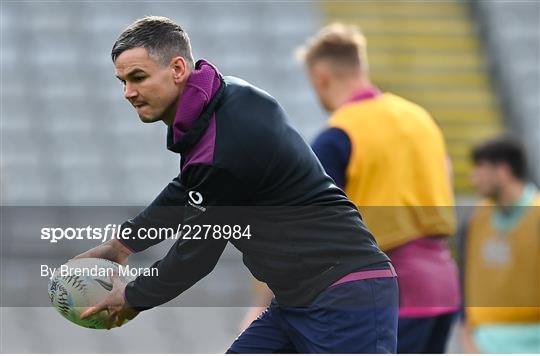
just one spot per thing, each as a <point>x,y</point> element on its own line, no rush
<point>354,317</point>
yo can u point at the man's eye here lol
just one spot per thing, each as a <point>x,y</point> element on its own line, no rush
<point>138,79</point>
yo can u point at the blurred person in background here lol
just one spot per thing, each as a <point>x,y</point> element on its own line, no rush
<point>502,253</point>
<point>389,156</point>
<point>335,290</point>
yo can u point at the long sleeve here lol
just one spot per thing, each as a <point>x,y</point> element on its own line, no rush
<point>333,148</point>
<point>189,260</point>
<point>166,211</point>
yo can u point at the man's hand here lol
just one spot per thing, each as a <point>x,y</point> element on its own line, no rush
<point>112,250</point>
<point>115,304</point>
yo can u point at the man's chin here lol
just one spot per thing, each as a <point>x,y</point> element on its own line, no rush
<point>148,120</point>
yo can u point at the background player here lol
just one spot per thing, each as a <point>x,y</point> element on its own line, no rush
<point>502,253</point>
<point>389,156</point>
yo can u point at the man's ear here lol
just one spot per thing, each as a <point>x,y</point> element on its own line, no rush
<point>180,69</point>
<point>320,76</point>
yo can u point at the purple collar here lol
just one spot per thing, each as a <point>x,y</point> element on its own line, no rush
<point>193,132</point>
<point>364,94</point>
<point>201,86</point>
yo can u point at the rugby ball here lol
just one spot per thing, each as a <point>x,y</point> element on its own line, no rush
<point>81,283</point>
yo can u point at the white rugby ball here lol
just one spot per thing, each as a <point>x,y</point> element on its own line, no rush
<point>82,283</point>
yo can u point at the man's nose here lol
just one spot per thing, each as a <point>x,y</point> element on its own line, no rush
<point>130,91</point>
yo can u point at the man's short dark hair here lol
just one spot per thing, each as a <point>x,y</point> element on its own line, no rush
<point>503,149</point>
<point>160,36</point>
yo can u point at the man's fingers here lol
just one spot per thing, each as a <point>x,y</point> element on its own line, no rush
<point>120,320</point>
<point>108,324</point>
<point>85,254</point>
<point>113,303</point>
<point>111,320</point>
<point>114,277</point>
<point>93,310</point>
<point>115,280</point>
<point>88,312</point>
<point>76,257</point>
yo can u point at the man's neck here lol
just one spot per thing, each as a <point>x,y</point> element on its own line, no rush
<point>350,88</point>
<point>170,113</point>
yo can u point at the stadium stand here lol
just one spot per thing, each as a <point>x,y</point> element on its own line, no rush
<point>509,32</point>
<point>69,137</point>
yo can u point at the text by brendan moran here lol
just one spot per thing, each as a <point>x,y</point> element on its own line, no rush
<point>96,271</point>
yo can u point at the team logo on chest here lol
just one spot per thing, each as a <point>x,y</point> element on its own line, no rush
<point>195,199</point>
